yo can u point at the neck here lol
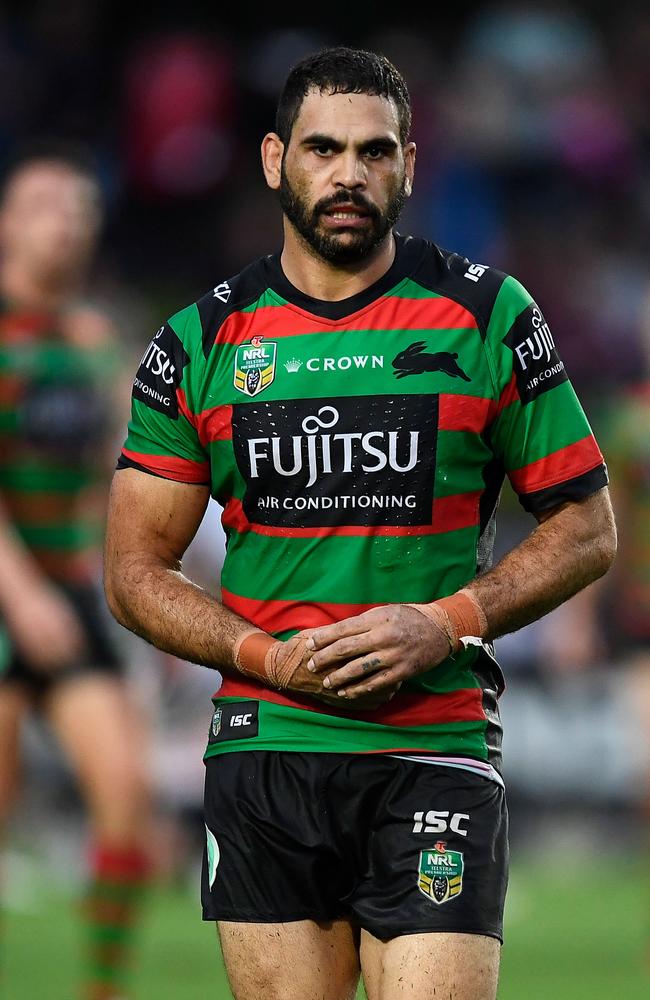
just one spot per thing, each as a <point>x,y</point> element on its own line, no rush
<point>322,280</point>
<point>27,290</point>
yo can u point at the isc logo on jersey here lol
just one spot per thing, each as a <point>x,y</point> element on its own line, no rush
<point>255,366</point>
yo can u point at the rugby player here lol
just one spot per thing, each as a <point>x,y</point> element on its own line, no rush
<point>57,375</point>
<point>354,404</point>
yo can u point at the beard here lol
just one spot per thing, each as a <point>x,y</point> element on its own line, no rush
<point>329,246</point>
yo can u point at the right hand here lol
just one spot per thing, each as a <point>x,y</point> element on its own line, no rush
<point>44,627</point>
<point>304,681</point>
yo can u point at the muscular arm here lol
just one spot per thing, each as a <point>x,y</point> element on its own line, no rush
<point>573,545</point>
<point>151,522</point>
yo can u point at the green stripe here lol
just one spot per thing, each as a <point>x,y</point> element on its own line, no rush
<point>460,460</point>
<point>410,289</point>
<point>29,477</point>
<point>62,537</point>
<point>294,729</point>
<point>524,434</point>
<point>154,433</point>
<point>389,570</point>
<point>371,374</point>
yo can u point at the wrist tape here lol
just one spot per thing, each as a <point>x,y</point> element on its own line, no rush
<point>457,617</point>
<point>258,654</point>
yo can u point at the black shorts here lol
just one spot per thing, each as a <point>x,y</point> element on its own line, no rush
<point>100,654</point>
<point>395,846</point>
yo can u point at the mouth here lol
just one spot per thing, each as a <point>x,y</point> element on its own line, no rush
<point>346,216</point>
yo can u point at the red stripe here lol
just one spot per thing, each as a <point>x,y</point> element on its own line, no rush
<point>463,413</point>
<point>407,708</point>
<point>509,395</point>
<point>182,470</point>
<point>184,408</point>
<point>281,616</point>
<point>215,424</point>
<point>448,514</point>
<point>390,313</point>
<point>456,512</point>
<point>574,460</point>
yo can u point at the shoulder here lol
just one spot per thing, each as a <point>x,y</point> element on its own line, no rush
<point>488,293</point>
<point>205,317</point>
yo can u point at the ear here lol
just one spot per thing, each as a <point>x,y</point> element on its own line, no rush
<point>272,152</point>
<point>416,348</point>
<point>409,167</point>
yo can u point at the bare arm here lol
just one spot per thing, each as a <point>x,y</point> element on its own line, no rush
<point>572,546</point>
<point>151,522</point>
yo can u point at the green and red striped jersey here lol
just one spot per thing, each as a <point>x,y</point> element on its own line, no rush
<point>54,408</point>
<point>358,449</point>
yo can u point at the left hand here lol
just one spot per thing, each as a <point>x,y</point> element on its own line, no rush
<point>377,649</point>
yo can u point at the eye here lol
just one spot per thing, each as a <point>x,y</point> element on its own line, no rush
<point>322,150</point>
<point>375,152</point>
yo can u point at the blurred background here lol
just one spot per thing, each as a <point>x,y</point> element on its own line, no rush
<point>533,138</point>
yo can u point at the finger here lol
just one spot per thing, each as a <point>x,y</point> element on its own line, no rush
<point>328,634</point>
<point>350,648</point>
<point>354,670</point>
<point>379,682</point>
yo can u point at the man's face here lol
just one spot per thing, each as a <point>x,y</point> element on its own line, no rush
<point>49,219</point>
<point>345,174</point>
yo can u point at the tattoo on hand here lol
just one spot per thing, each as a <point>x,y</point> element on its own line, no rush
<point>370,665</point>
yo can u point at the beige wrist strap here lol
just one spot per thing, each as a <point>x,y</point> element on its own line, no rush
<point>457,617</point>
<point>260,655</point>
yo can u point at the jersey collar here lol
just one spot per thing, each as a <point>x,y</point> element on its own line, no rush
<point>407,255</point>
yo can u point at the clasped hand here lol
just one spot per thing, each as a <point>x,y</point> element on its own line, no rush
<point>364,659</point>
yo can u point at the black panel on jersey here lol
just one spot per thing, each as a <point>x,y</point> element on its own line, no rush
<point>228,297</point>
<point>535,361</point>
<point>578,488</point>
<point>474,286</point>
<point>410,250</point>
<point>161,372</point>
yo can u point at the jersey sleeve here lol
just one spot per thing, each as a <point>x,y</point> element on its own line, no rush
<point>540,432</point>
<point>162,437</point>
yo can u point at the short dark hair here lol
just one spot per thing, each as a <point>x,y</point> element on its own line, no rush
<point>342,70</point>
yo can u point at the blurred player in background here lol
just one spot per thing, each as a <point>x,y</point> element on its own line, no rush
<point>354,403</point>
<point>57,375</point>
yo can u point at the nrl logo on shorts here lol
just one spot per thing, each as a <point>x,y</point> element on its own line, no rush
<point>255,366</point>
<point>440,875</point>
<point>215,726</point>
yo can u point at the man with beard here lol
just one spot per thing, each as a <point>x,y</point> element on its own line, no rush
<point>354,404</point>
<point>57,655</point>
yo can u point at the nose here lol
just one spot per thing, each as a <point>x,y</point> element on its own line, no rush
<point>350,171</point>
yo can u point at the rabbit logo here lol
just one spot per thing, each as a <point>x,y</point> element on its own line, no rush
<point>414,361</point>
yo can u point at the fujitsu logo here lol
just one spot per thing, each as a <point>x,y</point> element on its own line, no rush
<point>158,361</point>
<point>540,342</point>
<point>326,453</point>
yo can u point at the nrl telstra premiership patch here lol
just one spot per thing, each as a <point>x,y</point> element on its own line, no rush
<point>440,875</point>
<point>255,366</point>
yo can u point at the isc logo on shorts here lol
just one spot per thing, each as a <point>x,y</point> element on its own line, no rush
<point>234,721</point>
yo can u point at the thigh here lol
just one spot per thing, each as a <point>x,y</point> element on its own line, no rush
<point>302,960</point>
<point>270,855</point>
<point>436,852</point>
<point>421,966</point>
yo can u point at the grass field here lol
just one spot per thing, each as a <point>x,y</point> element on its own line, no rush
<point>573,932</point>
